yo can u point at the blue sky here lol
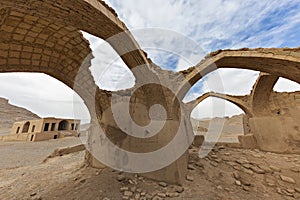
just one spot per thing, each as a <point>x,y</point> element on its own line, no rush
<point>213,25</point>
<point>176,34</point>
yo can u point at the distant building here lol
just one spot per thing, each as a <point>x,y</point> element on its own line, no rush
<point>43,129</point>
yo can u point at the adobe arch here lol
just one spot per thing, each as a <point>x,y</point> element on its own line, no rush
<point>28,48</point>
<point>43,36</point>
<point>260,94</point>
<point>283,62</point>
<point>240,101</point>
<point>63,125</point>
<point>25,128</point>
<point>92,16</point>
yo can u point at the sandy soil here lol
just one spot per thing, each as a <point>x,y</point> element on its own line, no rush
<point>225,173</point>
<point>19,154</point>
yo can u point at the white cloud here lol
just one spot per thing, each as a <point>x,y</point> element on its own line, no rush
<point>225,81</point>
<point>234,81</point>
<point>42,95</point>
<point>215,22</point>
<point>204,25</point>
<point>214,107</point>
<point>108,69</point>
<point>212,25</point>
<point>285,85</point>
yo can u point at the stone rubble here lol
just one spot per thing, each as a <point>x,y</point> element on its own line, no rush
<point>244,171</point>
<point>287,179</point>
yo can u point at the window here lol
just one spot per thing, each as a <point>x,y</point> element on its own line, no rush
<point>76,127</point>
<point>33,128</point>
<point>18,129</point>
<point>53,127</point>
<point>26,127</point>
<point>72,126</point>
<point>46,127</point>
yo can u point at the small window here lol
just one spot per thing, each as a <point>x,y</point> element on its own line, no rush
<point>46,127</point>
<point>18,129</point>
<point>72,126</point>
<point>76,127</point>
<point>53,127</point>
<point>33,128</point>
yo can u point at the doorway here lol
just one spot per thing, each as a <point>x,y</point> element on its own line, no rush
<point>26,127</point>
<point>63,125</point>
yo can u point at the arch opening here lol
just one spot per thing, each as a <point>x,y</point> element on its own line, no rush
<point>230,81</point>
<point>43,95</point>
<point>212,113</point>
<point>26,127</point>
<point>286,85</point>
<point>63,125</point>
<point>108,69</point>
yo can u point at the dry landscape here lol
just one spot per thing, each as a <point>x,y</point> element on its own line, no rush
<point>146,126</point>
<point>26,172</point>
<point>226,173</point>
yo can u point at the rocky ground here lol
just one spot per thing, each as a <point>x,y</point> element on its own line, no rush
<point>226,173</point>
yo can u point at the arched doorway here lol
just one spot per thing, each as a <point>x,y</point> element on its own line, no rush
<point>63,125</point>
<point>218,120</point>
<point>26,127</point>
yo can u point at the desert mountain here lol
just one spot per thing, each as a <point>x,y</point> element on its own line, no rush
<point>10,113</point>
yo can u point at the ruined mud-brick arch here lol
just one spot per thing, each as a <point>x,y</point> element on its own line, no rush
<point>283,62</point>
<point>92,16</point>
<point>257,103</point>
<point>260,94</point>
<point>260,102</point>
<point>45,37</point>
<point>267,106</point>
<point>265,102</point>
<point>32,44</point>
<point>240,101</point>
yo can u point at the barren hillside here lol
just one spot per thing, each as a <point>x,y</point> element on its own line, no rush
<point>10,113</point>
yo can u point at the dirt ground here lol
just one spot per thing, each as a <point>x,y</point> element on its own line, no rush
<point>226,173</point>
<point>19,154</point>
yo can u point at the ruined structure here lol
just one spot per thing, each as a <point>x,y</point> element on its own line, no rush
<point>44,36</point>
<point>42,129</point>
<point>271,119</point>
